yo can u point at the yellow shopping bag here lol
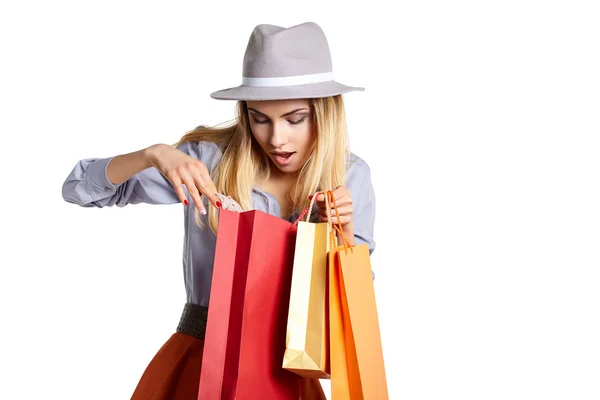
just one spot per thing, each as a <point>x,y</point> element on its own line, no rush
<point>307,352</point>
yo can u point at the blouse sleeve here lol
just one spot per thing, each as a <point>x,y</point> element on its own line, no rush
<point>363,199</point>
<point>87,185</point>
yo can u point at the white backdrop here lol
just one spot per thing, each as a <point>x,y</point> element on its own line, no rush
<point>480,122</point>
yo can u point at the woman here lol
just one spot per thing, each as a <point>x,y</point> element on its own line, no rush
<point>288,141</point>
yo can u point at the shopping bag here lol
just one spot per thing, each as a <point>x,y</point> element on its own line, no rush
<point>307,335</point>
<point>357,370</point>
<point>340,385</point>
<point>364,352</point>
<point>248,308</point>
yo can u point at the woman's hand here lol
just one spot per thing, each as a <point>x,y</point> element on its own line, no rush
<point>180,168</point>
<point>345,210</point>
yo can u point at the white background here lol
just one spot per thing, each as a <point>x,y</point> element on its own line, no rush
<point>480,123</point>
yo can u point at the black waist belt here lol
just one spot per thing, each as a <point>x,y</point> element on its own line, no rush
<point>193,320</point>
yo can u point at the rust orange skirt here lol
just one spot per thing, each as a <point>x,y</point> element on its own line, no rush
<point>174,373</point>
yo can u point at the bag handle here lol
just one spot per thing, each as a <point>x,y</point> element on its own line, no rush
<point>330,199</point>
<point>307,209</point>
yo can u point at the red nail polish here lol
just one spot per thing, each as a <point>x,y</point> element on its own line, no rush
<point>219,204</point>
<point>310,197</point>
<point>185,202</point>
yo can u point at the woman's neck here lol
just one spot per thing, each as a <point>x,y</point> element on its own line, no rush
<point>280,185</point>
<point>282,178</point>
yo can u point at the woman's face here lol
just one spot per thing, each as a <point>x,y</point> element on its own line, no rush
<point>284,130</point>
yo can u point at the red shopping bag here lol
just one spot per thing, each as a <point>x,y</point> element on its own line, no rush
<point>248,309</point>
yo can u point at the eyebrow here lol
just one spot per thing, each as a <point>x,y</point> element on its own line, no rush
<point>284,115</point>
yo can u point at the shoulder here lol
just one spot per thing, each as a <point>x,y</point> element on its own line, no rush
<point>359,182</point>
<point>207,152</point>
<point>358,170</point>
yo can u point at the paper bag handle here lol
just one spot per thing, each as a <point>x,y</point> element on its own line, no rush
<point>330,199</point>
<point>307,209</point>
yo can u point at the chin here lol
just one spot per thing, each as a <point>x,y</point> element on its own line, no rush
<point>288,169</point>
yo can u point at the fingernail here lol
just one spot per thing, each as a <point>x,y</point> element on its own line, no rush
<point>185,202</point>
<point>310,197</point>
<point>219,204</point>
<point>203,211</point>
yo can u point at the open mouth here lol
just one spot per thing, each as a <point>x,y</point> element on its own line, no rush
<point>283,155</point>
<point>283,158</point>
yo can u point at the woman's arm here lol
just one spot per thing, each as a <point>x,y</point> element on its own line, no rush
<point>123,179</point>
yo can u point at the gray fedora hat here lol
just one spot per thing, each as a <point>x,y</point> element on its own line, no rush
<point>286,63</point>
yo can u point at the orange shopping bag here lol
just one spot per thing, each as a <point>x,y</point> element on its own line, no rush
<point>357,365</point>
<point>340,388</point>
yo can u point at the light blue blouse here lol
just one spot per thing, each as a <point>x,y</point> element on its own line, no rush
<point>87,185</point>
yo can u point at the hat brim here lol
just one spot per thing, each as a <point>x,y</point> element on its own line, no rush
<point>310,90</point>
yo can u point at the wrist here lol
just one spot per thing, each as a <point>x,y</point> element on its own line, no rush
<point>150,154</point>
<point>348,231</point>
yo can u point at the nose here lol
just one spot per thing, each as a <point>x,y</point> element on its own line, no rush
<point>279,136</point>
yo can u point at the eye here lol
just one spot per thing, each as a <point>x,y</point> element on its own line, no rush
<point>299,121</point>
<point>260,121</point>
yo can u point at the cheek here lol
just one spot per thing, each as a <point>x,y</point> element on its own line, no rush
<point>260,134</point>
<point>305,137</point>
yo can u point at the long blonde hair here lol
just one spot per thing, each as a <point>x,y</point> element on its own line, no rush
<point>243,160</point>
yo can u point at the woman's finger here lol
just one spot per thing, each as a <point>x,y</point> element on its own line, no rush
<point>205,184</point>
<point>178,186</point>
<point>333,215</point>
<point>340,209</point>
<point>193,191</point>
<point>343,220</point>
<point>342,201</point>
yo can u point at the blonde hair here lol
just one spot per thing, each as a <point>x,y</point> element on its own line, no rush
<point>243,160</point>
